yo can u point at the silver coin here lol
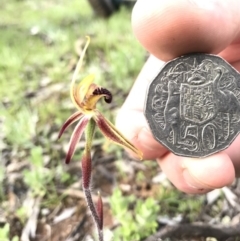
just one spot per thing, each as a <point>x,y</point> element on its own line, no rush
<point>193,105</point>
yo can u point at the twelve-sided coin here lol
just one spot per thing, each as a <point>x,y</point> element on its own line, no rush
<point>193,105</point>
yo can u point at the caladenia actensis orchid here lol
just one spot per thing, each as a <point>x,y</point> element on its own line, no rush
<point>85,96</point>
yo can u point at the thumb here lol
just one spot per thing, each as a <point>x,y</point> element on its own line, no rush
<point>168,29</point>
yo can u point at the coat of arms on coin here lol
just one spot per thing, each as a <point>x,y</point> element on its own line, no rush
<point>193,105</point>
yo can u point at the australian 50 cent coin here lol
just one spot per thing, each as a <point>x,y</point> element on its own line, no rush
<point>193,105</point>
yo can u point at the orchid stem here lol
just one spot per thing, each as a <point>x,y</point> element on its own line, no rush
<point>86,177</point>
<point>91,206</point>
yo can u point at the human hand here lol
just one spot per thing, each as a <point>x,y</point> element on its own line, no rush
<point>168,29</point>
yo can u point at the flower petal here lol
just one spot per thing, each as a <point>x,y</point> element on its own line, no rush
<point>74,117</point>
<point>97,92</point>
<point>79,93</point>
<point>78,67</point>
<point>80,61</point>
<point>83,87</point>
<point>76,135</point>
<point>103,92</point>
<point>92,101</point>
<point>110,131</point>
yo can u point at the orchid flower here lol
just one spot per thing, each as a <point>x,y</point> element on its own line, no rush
<point>85,96</point>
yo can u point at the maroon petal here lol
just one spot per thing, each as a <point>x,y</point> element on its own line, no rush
<point>76,116</point>
<point>110,131</point>
<point>76,135</point>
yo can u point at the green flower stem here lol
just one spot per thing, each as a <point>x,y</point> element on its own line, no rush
<point>86,176</point>
<point>89,133</point>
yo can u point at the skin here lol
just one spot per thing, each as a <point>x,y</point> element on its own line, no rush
<point>168,29</point>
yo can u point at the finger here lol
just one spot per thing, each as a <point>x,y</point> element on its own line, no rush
<point>168,28</point>
<point>192,175</point>
<point>232,54</point>
<point>131,120</point>
<point>137,130</point>
<point>234,154</point>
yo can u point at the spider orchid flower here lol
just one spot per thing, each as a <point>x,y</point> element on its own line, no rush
<point>85,96</point>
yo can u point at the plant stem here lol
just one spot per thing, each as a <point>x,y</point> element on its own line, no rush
<point>86,177</point>
<point>93,211</point>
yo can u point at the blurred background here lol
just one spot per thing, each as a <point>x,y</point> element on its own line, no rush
<point>40,196</point>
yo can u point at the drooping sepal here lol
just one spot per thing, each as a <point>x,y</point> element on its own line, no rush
<point>76,135</point>
<point>73,118</point>
<point>110,131</point>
